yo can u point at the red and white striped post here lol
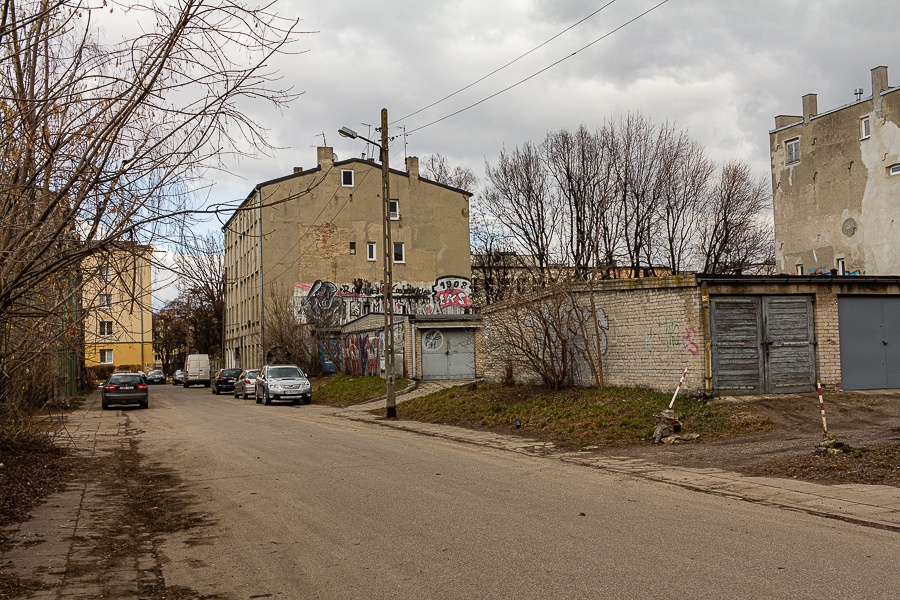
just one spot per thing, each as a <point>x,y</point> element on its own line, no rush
<point>822,408</point>
<point>683,375</point>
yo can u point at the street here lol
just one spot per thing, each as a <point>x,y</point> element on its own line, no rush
<point>309,505</point>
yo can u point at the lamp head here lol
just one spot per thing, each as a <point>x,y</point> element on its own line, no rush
<point>347,133</point>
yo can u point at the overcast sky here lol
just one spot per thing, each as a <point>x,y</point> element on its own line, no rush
<point>721,69</point>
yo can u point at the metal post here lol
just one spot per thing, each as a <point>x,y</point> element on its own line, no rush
<point>391,402</point>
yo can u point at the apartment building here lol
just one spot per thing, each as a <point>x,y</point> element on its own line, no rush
<point>117,306</point>
<point>835,183</point>
<point>314,239</point>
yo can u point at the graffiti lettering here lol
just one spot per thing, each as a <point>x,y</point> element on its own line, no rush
<point>689,344</point>
<point>453,297</point>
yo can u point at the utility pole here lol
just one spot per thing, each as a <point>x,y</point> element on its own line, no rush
<point>391,403</point>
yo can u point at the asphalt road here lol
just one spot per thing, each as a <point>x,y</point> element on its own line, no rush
<point>306,504</point>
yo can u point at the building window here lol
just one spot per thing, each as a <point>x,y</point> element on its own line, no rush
<point>864,128</point>
<point>106,357</point>
<point>347,178</point>
<point>104,301</point>
<point>799,268</point>
<point>105,273</point>
<point>105,328</point>
<point>399,252</point>
<point>894,169</point>
<point>352,247</point>
<point>792,147</point>
<point>841,266</point>
<point>370,251</point>
<point>394,209</point>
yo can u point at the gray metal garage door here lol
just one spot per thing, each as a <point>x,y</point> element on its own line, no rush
<point>762,344</point>
<point>448,354</point>
<point>869,327</point>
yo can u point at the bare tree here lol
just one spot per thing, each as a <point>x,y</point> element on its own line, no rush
<point>104,143</point>
<point>437,168</point>
<point>733,233</point>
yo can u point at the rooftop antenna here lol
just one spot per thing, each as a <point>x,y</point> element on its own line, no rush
<point>324,143</point>
<point>858,92</point>
<point>366,150</point>
<point>403,127</point>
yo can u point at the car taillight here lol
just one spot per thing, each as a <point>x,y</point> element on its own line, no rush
<point>246,381</point>
<point>222,378</point>
<point>142,386</point>
<point>111,388</point>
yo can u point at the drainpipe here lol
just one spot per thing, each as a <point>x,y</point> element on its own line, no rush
<point>707,339</point>
<point>262,320</point>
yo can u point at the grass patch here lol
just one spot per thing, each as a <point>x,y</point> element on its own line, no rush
<point>346,390</point>
<point>576,417</point>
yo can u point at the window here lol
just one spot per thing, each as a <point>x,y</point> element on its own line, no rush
<point>399,253</point>
<point>864,128</point>
<point>105,273</point>
<point>106,357</point>
<point>841,266</point>
<point>104,301</point>
<point>394,209</point>
<point>792,147</point>
<point>799,268</point>
<point>894,169</point>
<point>105,328</point>
<point>347,178</point>
<point>370,251</point>
<point>352,247</point>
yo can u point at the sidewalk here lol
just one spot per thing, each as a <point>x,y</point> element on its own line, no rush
<point>869,505</point>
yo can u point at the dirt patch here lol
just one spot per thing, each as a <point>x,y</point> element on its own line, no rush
<point>869,422</point>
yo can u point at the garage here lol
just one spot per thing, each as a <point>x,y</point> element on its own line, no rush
<point>762,344</point>
<point>448,353</point>
<point>870,342</point>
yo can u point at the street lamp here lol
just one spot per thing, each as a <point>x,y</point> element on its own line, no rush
<point>388,262</point>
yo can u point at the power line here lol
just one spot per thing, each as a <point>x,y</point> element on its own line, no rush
<point>495,71</point>
<point>533,75</point>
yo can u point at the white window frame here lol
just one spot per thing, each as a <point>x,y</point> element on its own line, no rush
<point>402,247</point>
<point>104,301</point>
<point>105,273</point>
<point>864,128</point>
<point>105,328</point>
<point>394,209</point>
<point>344,174</point>
<point>841,266</point>
<point>371,251</point>
<point>799,268</point>
<point>894,169</point>
<point>792,151</point>
<point>108,354</point>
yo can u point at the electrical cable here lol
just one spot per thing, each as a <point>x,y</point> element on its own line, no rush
<point>533,75</point>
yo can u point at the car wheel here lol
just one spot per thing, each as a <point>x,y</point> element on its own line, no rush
<point>105,405</point>
<point>243,395</point>
<point>266,399</point>
<point>258,399</point>
<point>185,384</point>
<point>145,404</point>
<point>215,390</point>
<point>307,399</point>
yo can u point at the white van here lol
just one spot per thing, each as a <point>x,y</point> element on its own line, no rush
<point>196,370</point>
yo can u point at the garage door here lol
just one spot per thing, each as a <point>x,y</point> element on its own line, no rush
<point>448,354</point>
<point>762,344</point>
<point>869,327</point>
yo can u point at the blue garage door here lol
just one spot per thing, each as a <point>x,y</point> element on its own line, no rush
<point>869,327</point>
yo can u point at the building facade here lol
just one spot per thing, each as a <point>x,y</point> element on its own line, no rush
<point>836,184</point>
<point>117,304</point>
<point>313,240</point>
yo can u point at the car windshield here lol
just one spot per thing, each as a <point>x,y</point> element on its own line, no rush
<point>251,374</point>
<point>125,379</point>
<point>283,372</point>
<point>156,373</point>
<point>230,372</point>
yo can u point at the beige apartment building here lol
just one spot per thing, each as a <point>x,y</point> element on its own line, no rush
<point>836,184</point>
<point>118,309</point>
<point>315,238</point>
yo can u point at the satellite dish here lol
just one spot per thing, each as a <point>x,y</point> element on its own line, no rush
<point>334,157</point>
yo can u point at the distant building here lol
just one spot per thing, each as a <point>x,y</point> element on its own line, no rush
<point>836,184</point>
<point>316,236</point>
<point>117,305</point>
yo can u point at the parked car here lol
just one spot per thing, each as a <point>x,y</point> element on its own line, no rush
<point>178,377</point>
<point>277,382</point>
<point>125,388</point>
<point>196,370</point>
<point>245,383</point>
<point>156,377</point>
<point>224,380</point>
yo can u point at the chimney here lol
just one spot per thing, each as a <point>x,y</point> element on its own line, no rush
<point>879,84</point>
<point>298,170</point>
<point>325,157</point>
<point>810,107</point>
<point>412,166</point>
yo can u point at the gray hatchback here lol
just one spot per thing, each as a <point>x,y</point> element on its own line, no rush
<point>125,388</point>
<point>282,382</point>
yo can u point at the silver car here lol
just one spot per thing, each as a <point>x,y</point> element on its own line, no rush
<point>282,382</point>
<point>244,383</point>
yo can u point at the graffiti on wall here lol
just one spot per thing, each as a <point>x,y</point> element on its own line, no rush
<point>360,353</point>
<point>324,302</point>
<point>676,337</point>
